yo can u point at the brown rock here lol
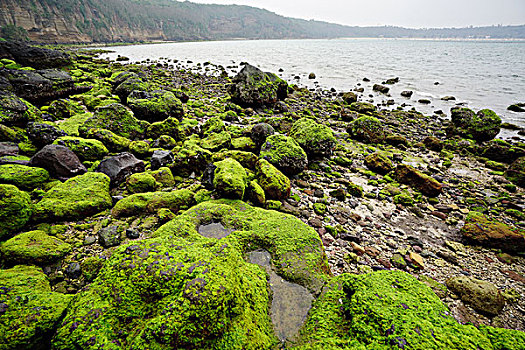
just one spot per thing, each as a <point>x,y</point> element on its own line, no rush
<point>406,174</point>
<point>481,295</point>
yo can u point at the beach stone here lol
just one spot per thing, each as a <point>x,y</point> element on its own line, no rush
<point>16,111</point>
<point>313,137</point>
<point>141,182</point>
<point>8,149</point>
<point>381,88</point>
<point>109,236</point>
<point>36,57</point>
<point>407,93</point>
<point>379,163</point>
<point>275,184</point>
<point>481,126</point>
<point>117,119</point>
<point>518,108</point>
<point>479,229</point>
<point>59,160</point>
<point>427,185</point>
<point>230,179</point>
<point>349,97</point>
<point>15,209</point>
<point>33,247</point>
<point>78,197</point>
<point>260,132</point>
<point>481,295</point>
<point>151,202</point>
<point>433,143</point>
<point>284,153</point>
<point>252,87</point>
<point>156,105</point>
<point>120,166</point>
<point>29,310</point>
<point>367,129</point>
<point>516,172</point>
<point>73,270</point>
<point>131,82</point>
<point>161,158</point>
<point>363,107</point>
<point>43,134</point>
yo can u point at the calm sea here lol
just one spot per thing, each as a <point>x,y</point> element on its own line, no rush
<point>480,74</point>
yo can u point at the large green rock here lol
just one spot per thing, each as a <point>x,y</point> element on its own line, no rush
<point>191,157</point>
<point>516,172</point>
<point>315,138</point>
<point>230,179</point>
<point>481,126</point>
<point>112,141</point>
<point>34,247</point>
<point>367,129</point>
<point>78,197</point>
<point>16,111</point>
<point>284,153</point>
<point>151,202</point>
<point>15,209</point>
<point>379,163</point>
<point>116,118</point>
<point>23,176</point>
<point>29,311</point>
<point>387,310</point>
<point>155,106</point>
<point>275,184</point>
<point>172,293</point>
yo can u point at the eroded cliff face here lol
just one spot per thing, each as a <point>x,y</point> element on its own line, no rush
<point>46,23</point>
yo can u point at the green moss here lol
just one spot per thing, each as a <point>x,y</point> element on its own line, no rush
<point>151,202</point>
<point>169,292</point>
<point>169,126</point>
<point>354,190</point>
<point>31,310</point>
<point>34,247</point>
<point>91,266</point>
<point>23,176</point>
<point>275,184</point>
<point>8,134</point>
<point>64,109</point>
<point>116,118</point>
<point>503,339</point>
<point>85,149</point>
<point>212,126</point>
<point>367,129</point>
<point>163,176</point>
<point>17,111</point>
<point>363,107</point>
<point>71,125</point>
<point>230,179</point>
<point>315,138</point>
<point>141,182</point>
<point>191,157</point>
<point>320,208</point>
<point>247,159</point>
<point>284,153</point>
<point>112,141</point>
<point>157,105</point>
<point>15,209</point>
<point>404,199</point>
<point>243,144</point>
<point>78,197</point>
<point>385,310</point>
<point>217,141</point>
<point>140,148</point>
<point>256,193</point>
<point>379,163</point>
<point>516,172</point>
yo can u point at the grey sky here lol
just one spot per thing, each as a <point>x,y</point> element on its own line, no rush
<point>406,13</point>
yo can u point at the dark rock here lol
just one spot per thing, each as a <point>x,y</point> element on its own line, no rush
<point>8,149</point>
<point>311,76</point>
<point>433,143</point>
<point>59,160</point>
<point>481,126</point>
<point>381,88</point>
<point>516,172</point>
<point>161,158</point>
<point>130,84</point>
<point>253,87</point>
<point>518,107</point>
<point>109,236</point>
<point>132,233</point>
<point>14,111</point>
<point>448,98</point>
<point>392,81</point>
<point>407,93</point>
<point>42,85</point>
<point>74,271</point>
<point>260,132</point>
<point>35,57</point>
<point>120,166</point>
<point>424,101</point>
<point>349,97</point>
<point>501,151</point>
<point>367,129</point>
<point>208,176</point>
<point>43,134</point>
<point>156,105</point>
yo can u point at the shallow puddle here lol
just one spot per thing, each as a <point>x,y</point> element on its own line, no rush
<point>291,302</point>
<point>214,230</point>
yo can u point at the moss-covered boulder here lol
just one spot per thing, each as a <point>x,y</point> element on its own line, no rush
<point>212,126</point>
<point>163,176</point>
<point>379,163</point>
<point>427,185</point>
<point>132,83</point>
<point>481,295</point>
<point>171,292</point>
<point>33,247</point>
<point>284,153</point>
<point>116,118</point>
<point>15,209</point>
<point>244,144</point>
<point>217,141</point>
<point>169,126</point>
<point>23,176</point>
<point>112,141</point>
<point>385,310</point>
<point>141,182</point>
<point>363,107</point>
<point>481,126</point>
<point>253,87</point>
<point>275,184</point>
<point>315,138</point>
<point>367,129</point>
<point>156,105</point>
<point>516,172</point>
<point>479,229</point>
<point>230,179</point>
<point>247,159</point>
<point>16,111</point>
<point>30,311</point>
<point>42,134</point>
<point>64,108</point>
<point>151,202</point>
<point>78,197</point>
<point>85,149</point>
<point>191,157</point>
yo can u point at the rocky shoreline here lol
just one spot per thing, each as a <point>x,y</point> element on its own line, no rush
<point>408,230</point>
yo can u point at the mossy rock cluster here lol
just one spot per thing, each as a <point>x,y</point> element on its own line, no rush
<point>481,126</point>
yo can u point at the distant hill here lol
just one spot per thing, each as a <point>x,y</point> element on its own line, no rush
<point>86,21</point>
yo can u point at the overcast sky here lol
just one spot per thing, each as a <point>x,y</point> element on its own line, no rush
<point>406,13</point>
